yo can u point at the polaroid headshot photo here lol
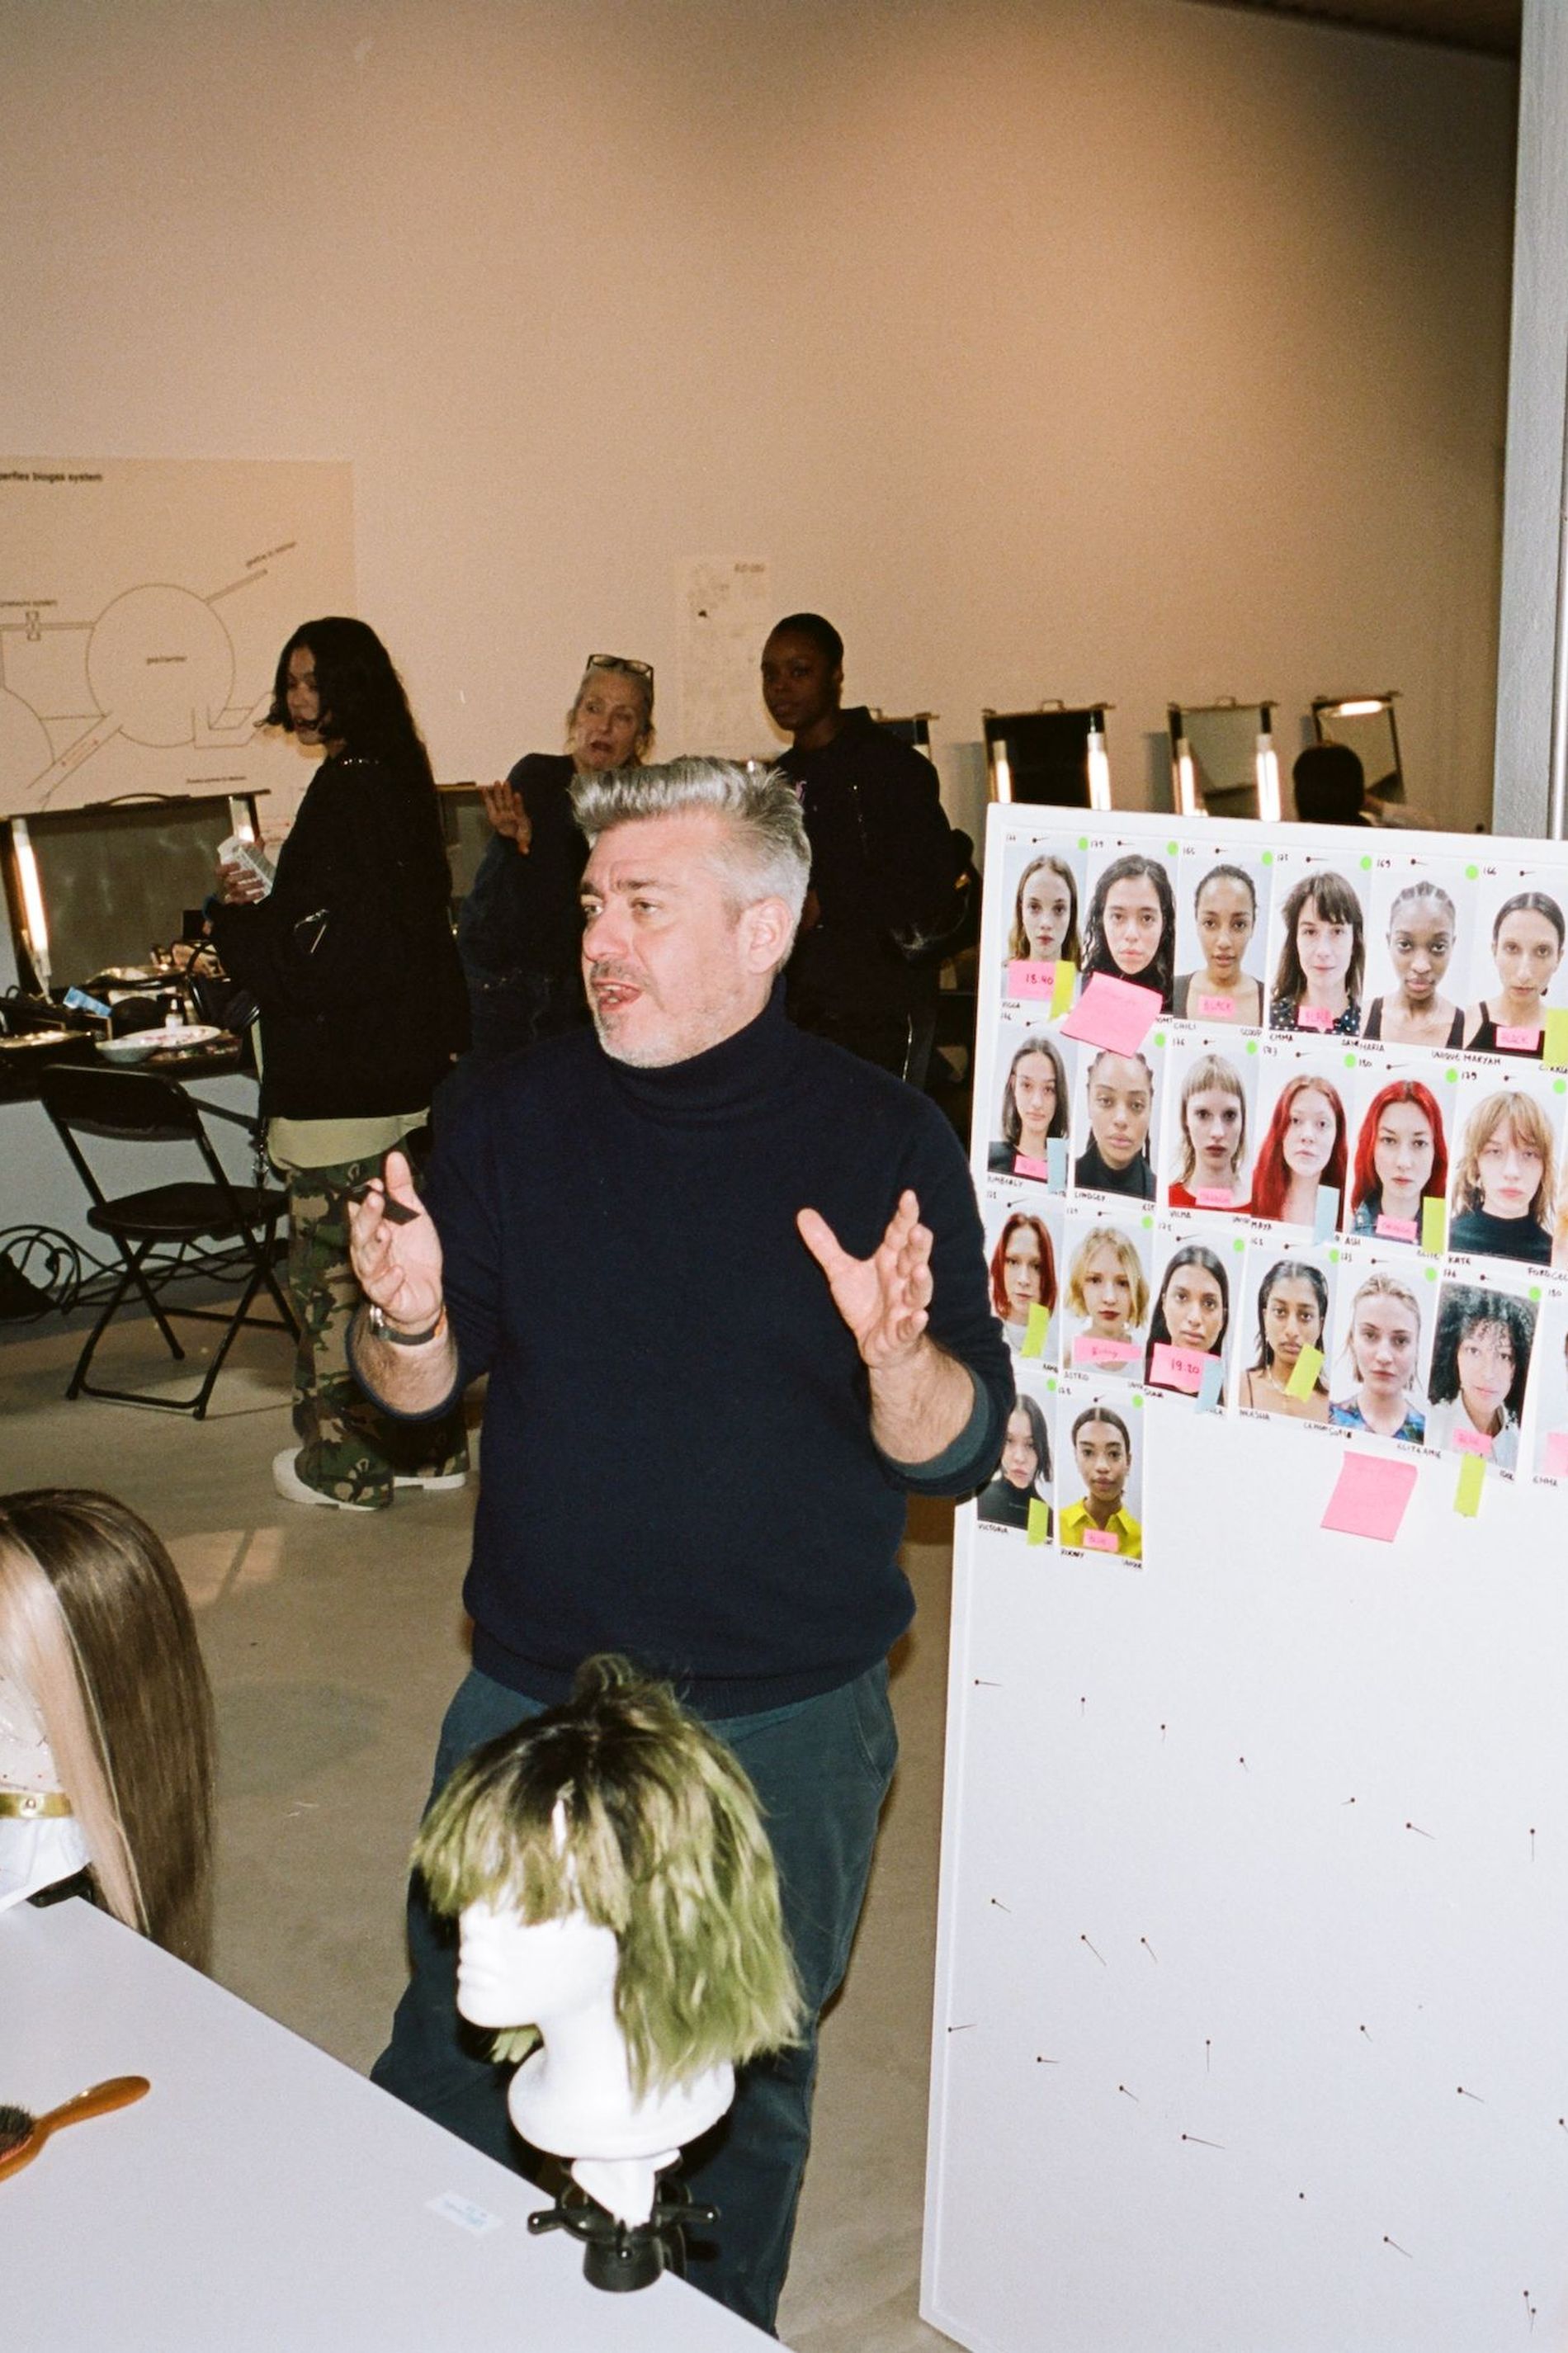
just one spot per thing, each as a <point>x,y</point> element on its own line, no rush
<point>1105,1297</point>
<point>1480,1368</point>
<point>1190,1318</point>
<point>1025,1249</point>
<point>1420,921</point>
<point>1516,967</point>
<point>1221,938</point>
<point>1114,1128</point>
<point>1034,1087</point>
<point>1130,923</point>
<point>1304,1146</point>
<point>1101,1478</point>
<point>1024,1475</point>
<point>1376,1372</point>
<point>1291,1299</point>
<point>1209,1128</point>
<point>1400,1160</point>
<point>1044,885</point>
<point>1319,964</point>
<point>1504,1194</point>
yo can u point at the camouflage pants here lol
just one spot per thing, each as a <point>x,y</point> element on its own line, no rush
<point>349,1448</point>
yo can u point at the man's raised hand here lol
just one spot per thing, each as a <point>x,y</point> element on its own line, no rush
<point>398,1267</point>
<point>885,1299</point>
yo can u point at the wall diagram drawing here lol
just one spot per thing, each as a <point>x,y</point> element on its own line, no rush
<point>143,604</point>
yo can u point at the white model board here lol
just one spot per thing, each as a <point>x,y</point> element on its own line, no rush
<point>1250,2034</point>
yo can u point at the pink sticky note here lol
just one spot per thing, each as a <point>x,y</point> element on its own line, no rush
<point>1115,1014</point>
<point>1396,1229</point>
<point>1024,1166</point>
<point>1178,1368</point>
<point>1025,977</point>
<point>1087,1349</point>
<point>1100,1540</point>
<point>1473,1441</point>
<point>1215,1197</point>
<point>1557,1453</point>
<point>1313,1016</point>
<point>1215,1009</point>
<point>1370,1496</point>
<point>1511,1039</point>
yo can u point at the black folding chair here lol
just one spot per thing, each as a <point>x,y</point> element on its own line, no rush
<point>156,1231</point>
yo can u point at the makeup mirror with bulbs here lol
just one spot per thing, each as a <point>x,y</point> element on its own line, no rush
<point>1052,757</point>
<point>1223,761</point>
<point>1367,723</point>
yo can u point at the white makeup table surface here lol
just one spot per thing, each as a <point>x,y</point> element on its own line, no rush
<point>262,2196</point>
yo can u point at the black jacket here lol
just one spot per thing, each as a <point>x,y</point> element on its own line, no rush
<point>882,861</point>
<point>351,958</point>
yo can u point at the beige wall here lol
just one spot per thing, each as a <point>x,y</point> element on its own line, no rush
<point>1121,348</point>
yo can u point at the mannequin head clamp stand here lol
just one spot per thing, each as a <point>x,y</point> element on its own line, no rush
<point>619,1925</point>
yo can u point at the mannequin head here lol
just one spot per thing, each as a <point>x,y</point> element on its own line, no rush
<point>95,1630</point>
<point>620,1811</point>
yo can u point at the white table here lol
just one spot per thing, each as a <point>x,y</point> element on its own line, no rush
<point>261,2198</point>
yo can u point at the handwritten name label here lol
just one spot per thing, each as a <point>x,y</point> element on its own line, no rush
<point>1473,1441</point>
<point>1213,1197</point>
<point>1099,1540</point>
<point>1313,1016</point>
<point>1395,1230</point>
<point>1215,1009</point>
<point>1514,1040</point>
<point>1028,977</point>
<point>1179,1368</point>
<point>1023,1166</point>
<point>1088,1348</point>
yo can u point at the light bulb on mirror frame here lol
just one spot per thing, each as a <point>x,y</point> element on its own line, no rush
<point>1001,769</point>
<point>1099,763</point>
<point>1267,767</point>
<point>36,922</point>
<point>1186,779</point>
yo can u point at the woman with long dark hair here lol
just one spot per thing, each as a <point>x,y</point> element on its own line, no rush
<point>1317,983</point>
<point>1192,1307</point>
<point>1129,930</point>
<point>351,961</point>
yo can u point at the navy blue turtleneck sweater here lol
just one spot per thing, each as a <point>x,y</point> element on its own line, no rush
<point>677,1458</point>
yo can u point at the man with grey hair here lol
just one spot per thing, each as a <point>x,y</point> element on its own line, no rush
<point>729,1286</point>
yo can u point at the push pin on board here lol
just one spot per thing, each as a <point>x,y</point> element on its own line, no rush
<point>1099,1956</point>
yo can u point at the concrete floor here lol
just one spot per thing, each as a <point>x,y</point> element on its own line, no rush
<point>334,1643</point>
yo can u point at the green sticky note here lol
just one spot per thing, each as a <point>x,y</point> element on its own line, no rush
<point>1040,1527</point>
<point>1467,1494</point>
<point>1555,1050</point>
<point>1062,987</point>
<point>1304,1379</point>
<point>1034,1331</point>
<point>1434,1225</point>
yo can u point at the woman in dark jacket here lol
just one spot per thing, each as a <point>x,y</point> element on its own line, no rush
<point>350,960</point>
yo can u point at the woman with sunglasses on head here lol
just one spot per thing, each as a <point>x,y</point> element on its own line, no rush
<point>885,863</point>
<point>521,928</point>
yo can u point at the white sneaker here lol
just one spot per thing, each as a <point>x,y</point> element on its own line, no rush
<point>295,1490</point>
<point>435,1483</point>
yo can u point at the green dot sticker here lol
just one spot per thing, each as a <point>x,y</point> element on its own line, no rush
<point>1159,1037</point>
<point>1240,1243</point>
<point>1535,1293</point>
<point>1350,1061</point>
<point>1452,1077</point>
<point>1051,1383</point>
<point>1560,1086</point>
<point>1471,872</point>
<point>1334,1258</point>
<point>1148,1222</point>
<point>1137,1404</point>
<point>1366,866</point>
<point>1268,858</point>
<point>1252,1045</point>
<point>1083,841</point>
<point>1431,1274</point>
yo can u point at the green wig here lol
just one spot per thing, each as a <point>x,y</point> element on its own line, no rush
<point>620,1804</point>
